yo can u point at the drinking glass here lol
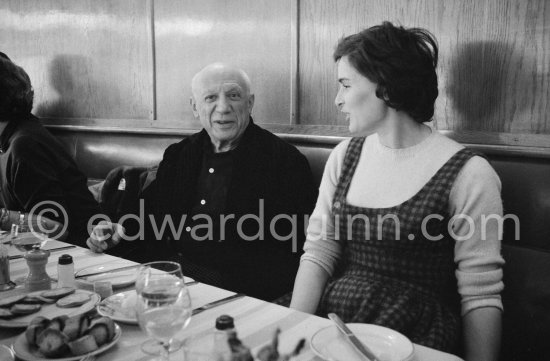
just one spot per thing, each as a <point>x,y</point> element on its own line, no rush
<point>29,242</point>
<point>163,306</point>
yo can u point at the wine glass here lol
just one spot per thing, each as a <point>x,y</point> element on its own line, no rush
<point>163,306</point>
<point>30,242</point>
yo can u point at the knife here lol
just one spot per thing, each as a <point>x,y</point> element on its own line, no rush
<point>112,270</point>
<point>217,303</point>
<point>18,256</point>
<point>353,340</point>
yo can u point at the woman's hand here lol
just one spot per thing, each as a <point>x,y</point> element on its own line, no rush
<point>105,235</point>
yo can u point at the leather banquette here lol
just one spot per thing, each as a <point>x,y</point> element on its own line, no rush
<point>525,191</point>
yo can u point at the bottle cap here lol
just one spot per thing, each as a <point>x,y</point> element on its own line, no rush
<point>65,259</point>
<point>224,322</point>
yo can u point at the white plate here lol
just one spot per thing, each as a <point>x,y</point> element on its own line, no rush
<point>30,353</point>
<point>120,307</point>
<point>118,279</point>
<point>386,344</point>
<point>52,310</point>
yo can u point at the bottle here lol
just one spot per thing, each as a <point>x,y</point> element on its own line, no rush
<point>5,283</point>
<point>65,271</point>
<point>224,327</point>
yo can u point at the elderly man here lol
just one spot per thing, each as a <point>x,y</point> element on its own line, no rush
<point>37,175</point>
<point>236,195</point>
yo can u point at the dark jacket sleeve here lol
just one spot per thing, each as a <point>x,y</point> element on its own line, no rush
<point>47,183</point>
<point>34,178</point>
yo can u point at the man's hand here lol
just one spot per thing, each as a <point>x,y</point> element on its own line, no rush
<point>105,235</point>
<point>28,222</point>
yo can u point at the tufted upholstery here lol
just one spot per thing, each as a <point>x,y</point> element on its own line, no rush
<point>525,192</point>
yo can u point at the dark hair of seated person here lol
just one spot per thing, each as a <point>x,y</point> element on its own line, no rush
<point>402,62</point>
<point>16,93</point>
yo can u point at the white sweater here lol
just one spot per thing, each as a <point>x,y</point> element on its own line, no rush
<point>386,177</point>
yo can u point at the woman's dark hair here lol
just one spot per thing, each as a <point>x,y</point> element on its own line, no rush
<point>16,93</point>
<point>400,61</point>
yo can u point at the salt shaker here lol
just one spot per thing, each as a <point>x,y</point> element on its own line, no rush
<point>224,326</point>
<point>65,271</point>
<point>5,283</point>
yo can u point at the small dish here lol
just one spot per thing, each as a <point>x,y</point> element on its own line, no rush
<point>118,279</point>
<point>120,307</point>
<point>51,311</point>
<point>26,352</point>
<point>385,343</point>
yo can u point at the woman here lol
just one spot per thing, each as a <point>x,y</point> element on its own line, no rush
<point>37,176</point>
<point>400,212</point>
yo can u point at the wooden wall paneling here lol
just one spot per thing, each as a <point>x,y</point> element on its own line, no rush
<point>494,68</point>
<point>294,56</point>
<point>252,34</point>
<point>85,58</point>
<point>322,24</point>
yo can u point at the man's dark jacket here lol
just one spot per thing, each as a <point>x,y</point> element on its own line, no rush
<point>35,168</point>
<point>265,167</point>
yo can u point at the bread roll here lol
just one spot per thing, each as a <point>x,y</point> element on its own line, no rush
<point>83,345</point>
<point>100,333</point>
<point>52,342</point>
<point>108,322</point>
<point>72,327</point>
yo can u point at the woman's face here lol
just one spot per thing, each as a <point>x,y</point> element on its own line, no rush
<point>357,99</point>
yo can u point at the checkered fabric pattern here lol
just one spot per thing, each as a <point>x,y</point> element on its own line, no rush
<point>391,274</point>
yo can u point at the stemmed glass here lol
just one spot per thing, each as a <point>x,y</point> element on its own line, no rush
<point>26,240</point>
<point>163,306</point>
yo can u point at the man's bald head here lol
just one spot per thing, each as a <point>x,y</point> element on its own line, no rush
<point>221,70</point>
<point>223,102</point>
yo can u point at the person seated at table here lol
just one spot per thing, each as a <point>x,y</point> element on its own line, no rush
<point>40,185</point>
<point>403,206</point>
<point>214,182</point>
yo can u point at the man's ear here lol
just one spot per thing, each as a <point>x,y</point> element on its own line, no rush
<point>250,102</point>
<point>194,106</point>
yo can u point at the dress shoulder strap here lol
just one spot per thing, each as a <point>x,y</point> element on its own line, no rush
<point>351,159</point>
<point>442,182</point>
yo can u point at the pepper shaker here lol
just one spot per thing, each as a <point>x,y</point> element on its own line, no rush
<point>38,278</point>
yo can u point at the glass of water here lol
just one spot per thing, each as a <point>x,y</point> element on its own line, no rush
<point>163,306</point>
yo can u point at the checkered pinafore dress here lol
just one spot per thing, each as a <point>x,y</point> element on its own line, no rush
<point>391,274</point>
